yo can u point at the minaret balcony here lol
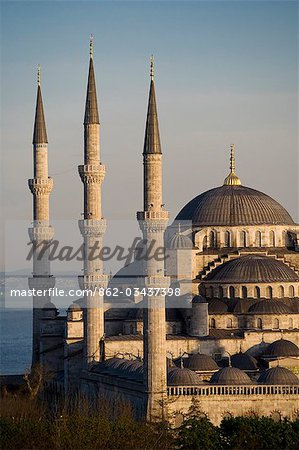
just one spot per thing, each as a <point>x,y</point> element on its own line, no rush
<point>93,282</point>
<point>152,215</point>
<point>92,227</point>
<point>40,186</point>
<point>41,232</point>
<point>92,173</point>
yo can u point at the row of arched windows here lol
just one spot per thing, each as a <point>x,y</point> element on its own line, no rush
<point>259,323</point>
<point>211,291</point>
<point>211,240</point>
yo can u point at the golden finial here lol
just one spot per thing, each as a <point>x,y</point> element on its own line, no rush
<point>38,75</point>
<point>91,46</point>
<point>152,68</point>
<point>232,179</point>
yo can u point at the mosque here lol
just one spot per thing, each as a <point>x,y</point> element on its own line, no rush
<point>221,332</point>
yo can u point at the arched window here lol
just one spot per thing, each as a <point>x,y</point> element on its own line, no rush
<point>213,323</point>
<point>211,292</point>
<point>221,292</point>
<point>244,292</point>
<point>291,292</point>
<point>269,292</point>
<point>229,323</point>
<point>243,239</point>
<point>131,329</point>
<point>272,239</point>
<point>203,290</point>
<point>227,239</point>
<point>257,292</point>
<point>231,292</point>
<point>280,292</point>
<point>259,324</point>
<point>212,239</point>
<point>258,239</point>
<point>173,329</point>
<point>205,243</point>
<point>276,324</point>
<point>291,323</point>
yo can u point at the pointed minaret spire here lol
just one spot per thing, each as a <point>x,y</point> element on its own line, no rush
<point>91,105</point>
<point>40,132</point>
<point>152,136</point>
<point>232,179</point>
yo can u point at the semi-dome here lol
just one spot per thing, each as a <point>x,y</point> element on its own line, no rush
<point>278,375</point>
<point>252,269</point>
<point>200,362</point>
<point>230,375</point>
<point>177,376</point>
<point>281,348</point>
<point>244,361</point>
<point>231,205</point>
<point>269,307</point>
<point>179,241</point>
<point>217,306</point>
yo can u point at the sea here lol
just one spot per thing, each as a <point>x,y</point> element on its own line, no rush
<point>16,340</point>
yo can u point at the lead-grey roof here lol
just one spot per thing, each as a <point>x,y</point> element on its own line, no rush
<point>234,205</point>
<point>152,136</point>
<point>39,132</point>
<point>91,105</point>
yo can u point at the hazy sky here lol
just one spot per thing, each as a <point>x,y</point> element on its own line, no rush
<point>226,72</point>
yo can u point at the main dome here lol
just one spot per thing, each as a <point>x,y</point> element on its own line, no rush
<point>234,205</point>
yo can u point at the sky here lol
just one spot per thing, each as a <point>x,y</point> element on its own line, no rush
<point>225,72</point>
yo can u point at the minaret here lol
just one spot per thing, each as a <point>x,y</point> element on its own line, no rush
<point>41,232</point>
<point>93,225</point>
<point>153,221</point>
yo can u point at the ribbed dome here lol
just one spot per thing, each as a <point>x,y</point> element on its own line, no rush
<point>244,361</point>
<point>278,375</point>
<point>234,205</point>
<point>252,269</point>
<point>269,307</point>
<point>199,299</point>
<point>230,375</point>
<point>200,362</point>
<point>282,348</point>
<point>179,241</point>
<point>182,377</point>
<point>217,307</point>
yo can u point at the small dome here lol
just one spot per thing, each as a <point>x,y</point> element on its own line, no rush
<point>200,362</point>
<point>242,306</point>
<point>234,205</point>
<point>252,269</point>
<point>136,364</point>
<point>199,299</point>
<point>74,307</point>
<point>182,377</point>
<point>278,375</point>
<point>217,307</point>
<point>269,307</point>
<point>244,361</point>
<point>281,348</point>
<point>49,306</point>
<point>231,376</point>
<point>179,241</point>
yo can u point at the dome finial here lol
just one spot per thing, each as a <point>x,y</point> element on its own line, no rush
<point>38,75</point>
<point>91,46</point>
<point>232,158</point>
<point>232,179</point>
<point>152,68</point>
